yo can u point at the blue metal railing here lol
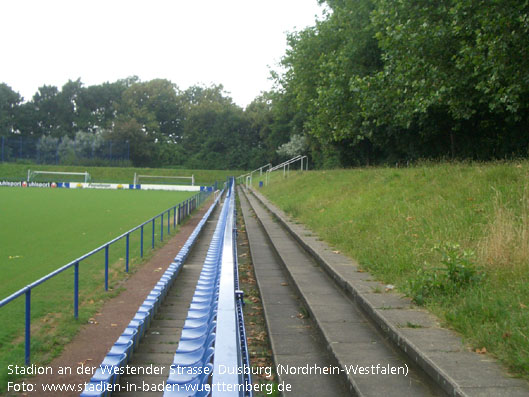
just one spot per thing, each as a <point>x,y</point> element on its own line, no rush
<point>180,211</point>
<point>105,377</point>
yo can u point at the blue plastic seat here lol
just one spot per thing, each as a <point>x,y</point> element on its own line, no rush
<point>189,345</point>
<point>95,389</point>
<point>190,377</point>
<point>197,357</point>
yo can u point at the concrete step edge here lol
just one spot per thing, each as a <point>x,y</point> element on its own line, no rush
<point>438,375</point>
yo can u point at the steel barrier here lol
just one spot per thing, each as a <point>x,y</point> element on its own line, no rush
<point>184,209</point>
<point>106,376</point>
<point>248,178</point>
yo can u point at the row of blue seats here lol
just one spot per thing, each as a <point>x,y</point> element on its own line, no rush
<point>192,363</point>
<point>106,376</point>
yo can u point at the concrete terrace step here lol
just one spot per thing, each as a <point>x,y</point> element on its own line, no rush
<point>439,352</point>
<point>351,339</point>
<point>293,338</point>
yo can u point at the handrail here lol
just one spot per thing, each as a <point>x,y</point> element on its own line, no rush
<point>184,209</point>
<point>260,169</point>
<point>293,159</point>
<point>286,164</point>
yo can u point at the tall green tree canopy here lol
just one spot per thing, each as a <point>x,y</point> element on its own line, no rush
<point>9,102</point>
<point>383,80</point>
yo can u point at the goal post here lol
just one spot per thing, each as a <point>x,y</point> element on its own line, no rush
<point>33,174</point>
<point>139,179</point>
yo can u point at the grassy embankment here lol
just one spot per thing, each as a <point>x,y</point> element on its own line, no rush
<point>19,172</point>
<point>454,237</point>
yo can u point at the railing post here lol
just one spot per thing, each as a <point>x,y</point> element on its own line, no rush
<point>179,211</point>
<point>28,325</point>
<point>161,228</point>
<point>141,241</point>
<point>168,222</point>
<point>127,254</point>
<point>106,267</point>
<point>174,218</point>
<point>153,220</point>
<point>76,291</point>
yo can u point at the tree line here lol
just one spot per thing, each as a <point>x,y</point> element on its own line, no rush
<point>385,81</point>
<point>373,81</point>
<point>200,127</point>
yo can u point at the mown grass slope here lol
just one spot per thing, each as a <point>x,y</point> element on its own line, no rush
<point>454,237</point>
<point>19,172</point>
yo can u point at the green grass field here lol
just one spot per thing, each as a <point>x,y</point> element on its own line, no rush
<point>42,230</point>
<point>455,237</point>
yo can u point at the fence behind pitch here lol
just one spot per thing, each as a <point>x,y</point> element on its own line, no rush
<point>17,148</point>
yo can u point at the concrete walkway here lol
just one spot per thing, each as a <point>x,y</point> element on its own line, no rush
<point>414,332</point>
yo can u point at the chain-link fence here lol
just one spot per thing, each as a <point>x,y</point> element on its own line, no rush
<point>50,150</point>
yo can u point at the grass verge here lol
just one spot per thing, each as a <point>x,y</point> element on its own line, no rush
<point>454,237</point>
<point>19,172</point>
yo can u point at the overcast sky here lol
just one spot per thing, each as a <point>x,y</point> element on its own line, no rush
<point>229,42</point>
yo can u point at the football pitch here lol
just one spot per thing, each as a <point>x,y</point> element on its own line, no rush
<point>44,229</point>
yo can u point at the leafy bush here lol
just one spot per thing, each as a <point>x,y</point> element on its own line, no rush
<point>47,149</point>
<point>85,148</point>
<point>297,145</point>
<point>458,272</point>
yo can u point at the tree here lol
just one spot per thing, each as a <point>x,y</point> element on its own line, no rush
<point>149,114</point>
<point>320,63</point>
<point>45,111</point>
<point>155,105</point>
<point>455,67</point>
<point>142,147</point>
<point>9,104</point>
<point>260,117</point>
<point>217,132</point>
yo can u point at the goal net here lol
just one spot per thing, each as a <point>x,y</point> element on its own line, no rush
<point>164,180</point>
<point>58,176</point>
